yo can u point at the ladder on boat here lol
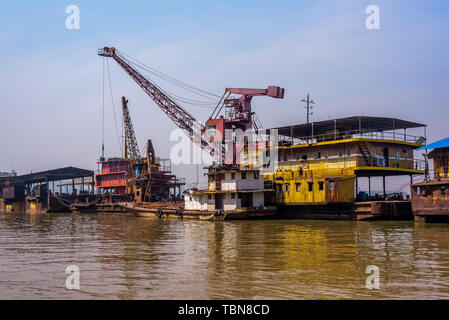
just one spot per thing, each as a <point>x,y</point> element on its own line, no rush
<point>365,152</point>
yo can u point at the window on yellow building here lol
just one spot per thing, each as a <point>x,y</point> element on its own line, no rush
<point>298,187</point>
<point>310,186</point>
<point>287,187</point>
<point>321,185</point>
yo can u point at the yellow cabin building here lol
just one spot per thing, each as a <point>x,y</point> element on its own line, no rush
<point>320,163</point>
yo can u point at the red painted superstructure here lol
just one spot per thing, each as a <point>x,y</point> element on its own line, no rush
<point>113,177</point>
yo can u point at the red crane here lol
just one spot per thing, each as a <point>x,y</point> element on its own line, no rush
<point>240,115</point>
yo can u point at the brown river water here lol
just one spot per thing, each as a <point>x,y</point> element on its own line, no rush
<point>123,257</point>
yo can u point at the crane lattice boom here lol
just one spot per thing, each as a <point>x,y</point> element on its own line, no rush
<point>183,120</point>
<point>131,148</point>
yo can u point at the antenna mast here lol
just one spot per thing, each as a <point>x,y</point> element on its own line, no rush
<point>309,106</point>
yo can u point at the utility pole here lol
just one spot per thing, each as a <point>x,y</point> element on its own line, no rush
<point>309,106</point>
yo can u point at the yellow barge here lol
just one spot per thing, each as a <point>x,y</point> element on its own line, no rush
<point>319,167</point>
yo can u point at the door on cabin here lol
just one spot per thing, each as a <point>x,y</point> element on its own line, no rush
<point>218,201</point>
<point>386,157</point>
<point>218,178</point>
<point>247,200</point>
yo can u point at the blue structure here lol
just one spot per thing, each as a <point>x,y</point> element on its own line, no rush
<point>443,143</point>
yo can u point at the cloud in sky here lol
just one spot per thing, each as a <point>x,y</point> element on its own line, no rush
<point>51,84</point>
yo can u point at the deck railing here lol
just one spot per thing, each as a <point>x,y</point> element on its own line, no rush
<point>236,185</point>
<point>354,134</point>
<point>356,161</point>
<point>181,180</point>
<point>112,170</point>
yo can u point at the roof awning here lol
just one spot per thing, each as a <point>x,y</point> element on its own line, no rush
<point>355,123</point>
<point>443,143</point>
<point>49,175</point>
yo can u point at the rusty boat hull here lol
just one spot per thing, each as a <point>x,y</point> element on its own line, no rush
<point>172,212</point>
<point>430,201</point>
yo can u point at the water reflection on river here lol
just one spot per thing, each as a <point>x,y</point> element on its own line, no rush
<point>145,258</point>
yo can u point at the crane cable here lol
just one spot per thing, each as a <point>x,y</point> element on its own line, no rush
<point>177,98</point>
<point>212,97</point>
<point>182,99</point>
<point>165,76</point>
<point>102,136</point>
<point>113,110</point>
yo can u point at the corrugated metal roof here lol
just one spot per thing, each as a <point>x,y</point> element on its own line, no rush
<point>363,123</point>
<point>49,175</point>
<point>443,143</point>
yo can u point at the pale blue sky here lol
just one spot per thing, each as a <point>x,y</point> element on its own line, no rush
<point>51,77</point>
